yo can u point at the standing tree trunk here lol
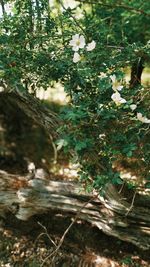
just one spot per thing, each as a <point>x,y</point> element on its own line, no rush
<point>3,7</point>
<point>136,72</point>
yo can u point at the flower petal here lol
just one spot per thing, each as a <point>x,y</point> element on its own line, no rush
<point>76,57</point>
<point>122,100</point>
<point>74,40</point>
<point>119,87</point>
<point>141,118</point>
<point>75,37</point>
<point>91,46</point>
<point>113,78</point>
<point>133,107</point>
<point>102,75</point>
<point>116,97</point>
<point>75,48</point>
<point>82,41</point>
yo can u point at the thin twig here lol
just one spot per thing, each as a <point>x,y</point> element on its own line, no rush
<point>54,253</point>
<point>132,203</point>
<point>116,47</point>
<point>121,188</point>
<point>54,149</point>
<point>75,20</point>
<point>46,233</point>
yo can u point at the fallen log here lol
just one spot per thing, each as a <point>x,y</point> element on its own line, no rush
<point>24,197</point>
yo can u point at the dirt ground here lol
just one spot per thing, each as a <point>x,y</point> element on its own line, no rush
<point>30,244</point>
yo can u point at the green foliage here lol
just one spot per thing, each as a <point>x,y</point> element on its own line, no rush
<point>147,185</point>
<point>127,260</point>
<point>98,128</point>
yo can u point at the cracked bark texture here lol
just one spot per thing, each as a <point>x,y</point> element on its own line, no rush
<point>112,214</point>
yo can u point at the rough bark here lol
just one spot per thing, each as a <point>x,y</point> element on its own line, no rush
<point>25,197</point>
<point>34,109</point>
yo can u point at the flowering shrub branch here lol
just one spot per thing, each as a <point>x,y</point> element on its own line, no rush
<point>106,120</point>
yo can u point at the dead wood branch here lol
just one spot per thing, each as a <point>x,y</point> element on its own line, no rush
<point>25,198</point>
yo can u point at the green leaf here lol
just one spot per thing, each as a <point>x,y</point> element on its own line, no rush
<point>147,185</point>
<point>129,154</point>
<point>117,180</point>
<point>61,143</point>
<point>80,145</point>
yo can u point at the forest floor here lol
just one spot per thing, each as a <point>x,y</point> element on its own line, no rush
<point>30,244</point>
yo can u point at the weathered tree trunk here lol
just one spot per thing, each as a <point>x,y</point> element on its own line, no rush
<point>112,214</point>
<point>34,109</point>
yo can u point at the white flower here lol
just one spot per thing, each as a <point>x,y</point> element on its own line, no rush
<point>116,97</point>
<point>113,78</point>
<point>141,118</point>
<point>31,167</point>
<point>78,41</point>
<point>101,105</point>
<point>102,75</point>
<point>101,136</point>
<point>116,86</point>
<point>76,57</point>
<point>69,4</point>
<point>91,46</point>
<point>78,14</point>
<point>133,107</point>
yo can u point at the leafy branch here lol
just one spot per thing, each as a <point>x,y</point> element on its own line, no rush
<point>129,8</point>
<point>73,17</point>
